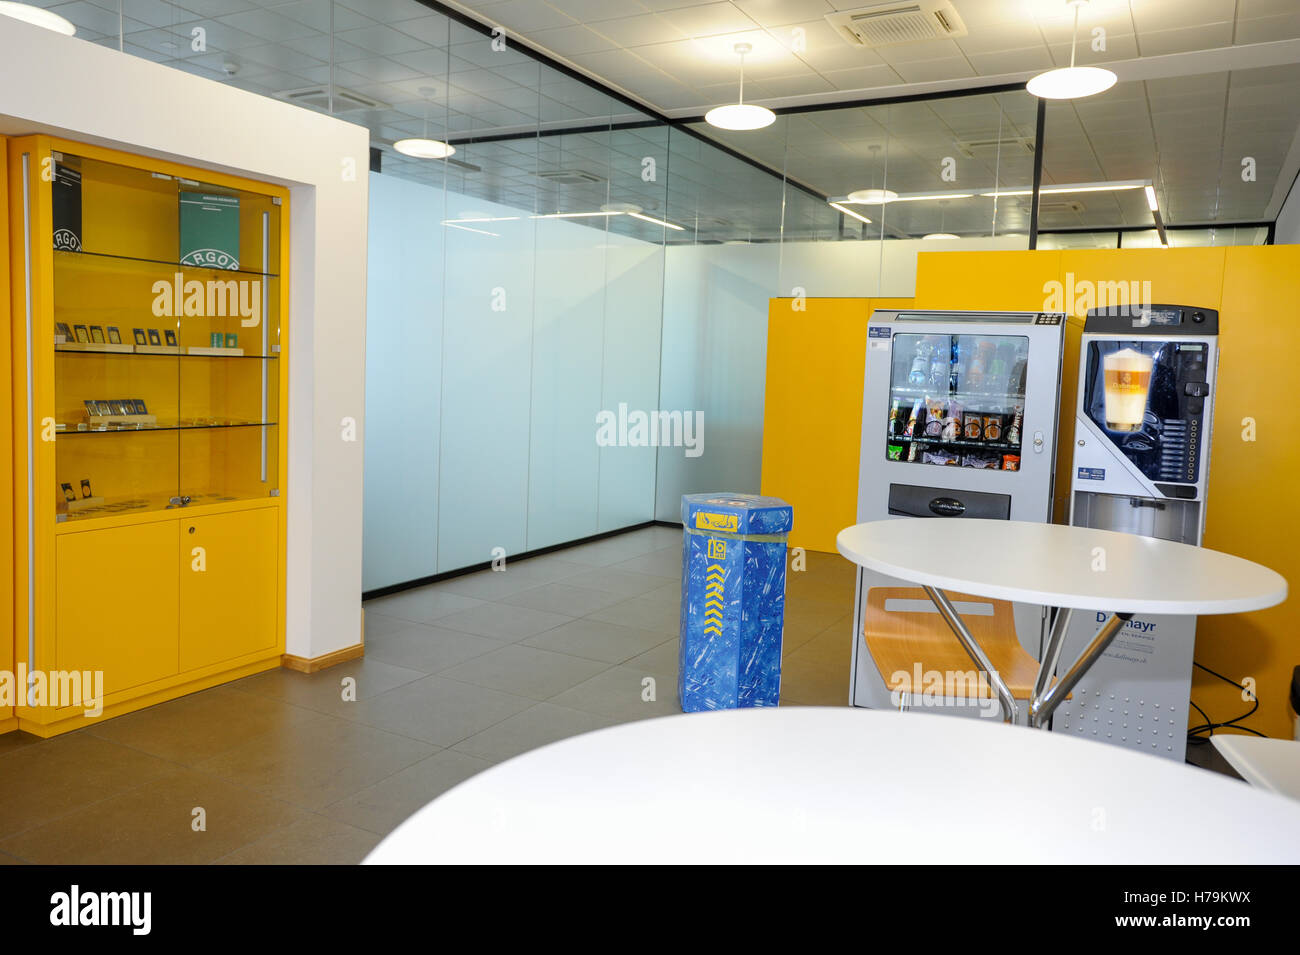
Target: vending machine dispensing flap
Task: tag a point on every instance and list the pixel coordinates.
(910, 500)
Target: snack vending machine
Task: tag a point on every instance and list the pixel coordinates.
(959, 417)
(1141, 462)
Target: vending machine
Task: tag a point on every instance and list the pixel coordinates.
(1141, 463)
(959, 419)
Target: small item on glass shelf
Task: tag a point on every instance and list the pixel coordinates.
(974, 424)
(952, 423)
(993, 427)
(137, 406)
(217, 340)
(114, 335)
(154, 338)
(1011, 462)
(912, 451)
(83, 334)
(61, 328)
(934, 417)
(946, 458)
(232, 340)
(894, 452)
(139, 336)
(170, 337)
(97, 334)
(910, 428)
(102, 409)
(987, 462)
(1013, 432)
(85, 487)
(92, 407)
(69, 494)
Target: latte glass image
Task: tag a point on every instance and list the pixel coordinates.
(1127, 381)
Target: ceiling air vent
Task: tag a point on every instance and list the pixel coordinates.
(570, 177)
(909, 21)
(318, 97)
(1059, 207)
(1012, 144)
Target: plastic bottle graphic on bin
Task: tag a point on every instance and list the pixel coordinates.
(733, 600)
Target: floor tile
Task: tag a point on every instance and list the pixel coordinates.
(818, 672)
(619, 692)
(6, 859)
(525, 671)
(534, 727)
(381, 808)
(310, 840)
(623, 582)
(192, 728)
(596, 640)
(437, 710)
(420, 605)
(503, 622)
(665, 563)
(611, 550)
(56, 776)
(660, 661)
(562, 598)
(494, 584)
(154, 824)
(646, 613)
(320, 763)
(324, 691)
(16, 739)
(428, 649)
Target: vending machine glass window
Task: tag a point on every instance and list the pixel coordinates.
(957, 400)
(1146, 394)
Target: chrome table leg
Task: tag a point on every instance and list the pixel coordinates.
(1043, 705)
(976, 652)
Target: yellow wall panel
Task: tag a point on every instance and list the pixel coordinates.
(985, 280)
(813, 411)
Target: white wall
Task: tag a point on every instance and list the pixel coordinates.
(80, 91)
(715, 339)
(492, 349)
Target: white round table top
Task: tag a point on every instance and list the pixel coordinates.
(1062, 566)
(837, 784)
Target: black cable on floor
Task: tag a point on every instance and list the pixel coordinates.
(1194, 735)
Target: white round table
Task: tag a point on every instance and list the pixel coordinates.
(814, 784)
(1057, 565)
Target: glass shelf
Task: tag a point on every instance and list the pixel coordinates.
(140, 429)
(141, 354)
(88, 260)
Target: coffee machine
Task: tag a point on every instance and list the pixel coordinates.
(1141, 466)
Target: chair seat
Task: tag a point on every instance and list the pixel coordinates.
(917, 653)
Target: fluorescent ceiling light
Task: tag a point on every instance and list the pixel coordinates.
(573, 215)
(37, 17)
(1072, 81)
(871, 197)
(850, 212)
(940, 236)
(1117, 186)
(1151, 198)
(481, 219)
(740, 115)
(424, 148)
(454, 225)
(666, 225)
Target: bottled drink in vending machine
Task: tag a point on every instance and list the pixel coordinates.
(920, 364)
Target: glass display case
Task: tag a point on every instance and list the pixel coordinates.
(166, 330)
(957, 400)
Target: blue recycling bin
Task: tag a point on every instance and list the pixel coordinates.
(733, 600)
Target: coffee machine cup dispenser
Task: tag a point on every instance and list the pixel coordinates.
(1141, 462)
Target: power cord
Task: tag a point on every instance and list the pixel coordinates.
(1200, 735)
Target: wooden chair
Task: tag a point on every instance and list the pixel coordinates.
(912, 644)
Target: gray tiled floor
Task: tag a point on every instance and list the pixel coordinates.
(458, 675)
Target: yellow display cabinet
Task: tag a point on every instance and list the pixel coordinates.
(149, 307)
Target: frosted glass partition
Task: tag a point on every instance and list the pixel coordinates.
(403, 381)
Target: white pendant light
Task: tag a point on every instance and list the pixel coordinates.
(37, 17)
(871, 197)
(422, 147)
(1072, 82)
(740, 115)
(940, 237)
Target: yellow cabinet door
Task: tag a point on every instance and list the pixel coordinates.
(115, 606)
(229, 580)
